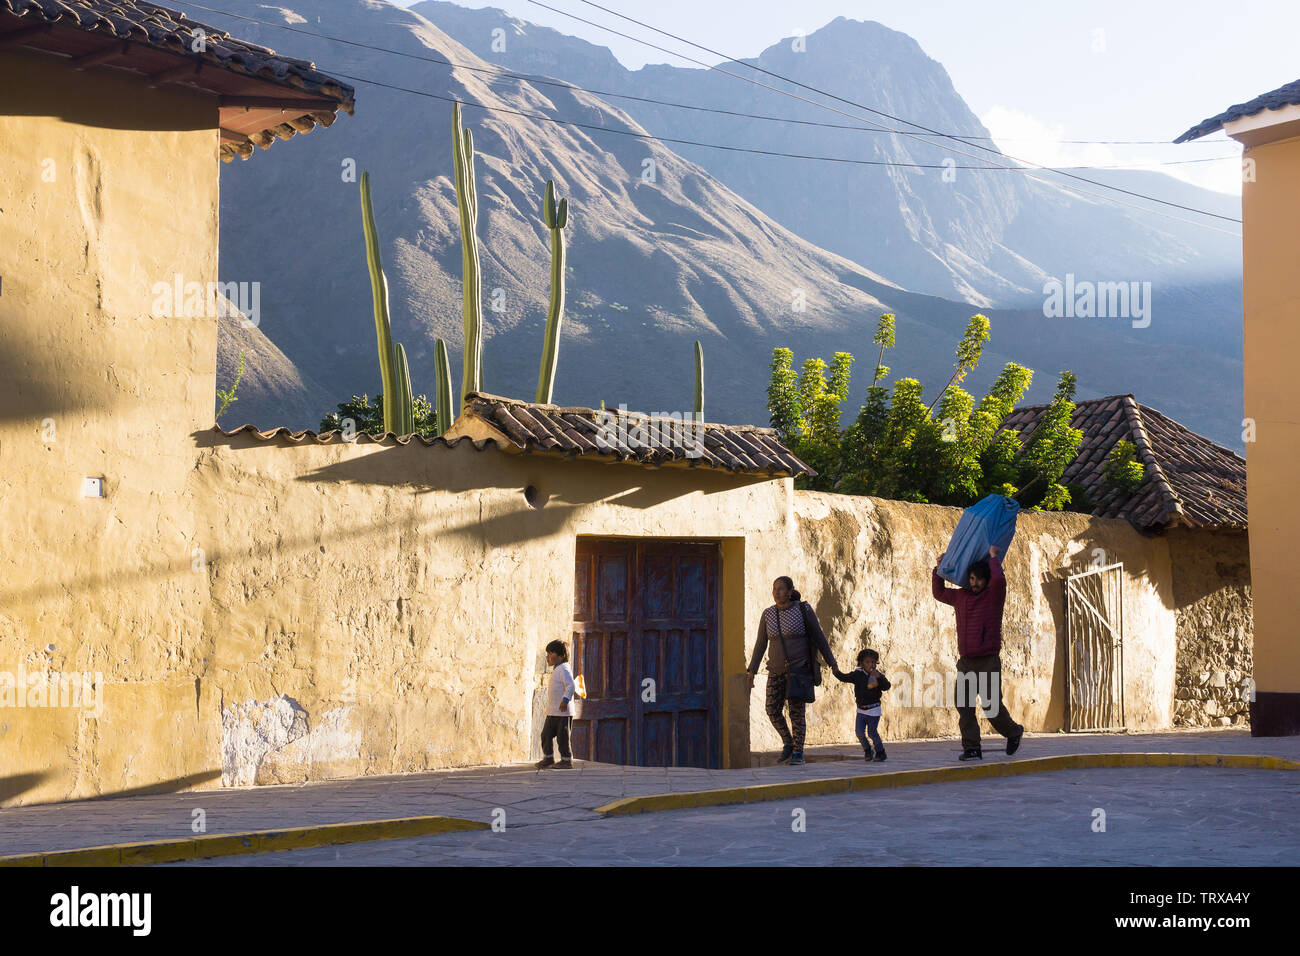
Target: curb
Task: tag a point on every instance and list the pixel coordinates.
(240, 844)
(758, 793)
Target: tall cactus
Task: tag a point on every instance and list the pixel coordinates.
(442, 389)
(405, 403)
(556, 217)
(462, 141)
(699, 381)
(394, 396)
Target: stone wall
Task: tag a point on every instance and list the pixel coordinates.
(1212, 597)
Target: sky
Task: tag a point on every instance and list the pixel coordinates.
(1036, 72)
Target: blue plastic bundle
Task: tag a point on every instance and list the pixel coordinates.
(984, 524)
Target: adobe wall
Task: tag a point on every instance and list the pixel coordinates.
(865, 563)
(107, 188)
(1212, 595)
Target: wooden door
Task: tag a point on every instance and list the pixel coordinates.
(645, 642)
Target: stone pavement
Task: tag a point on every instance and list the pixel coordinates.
(1154, 817)
(550, 797)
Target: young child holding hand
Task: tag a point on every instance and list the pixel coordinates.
(868, 684)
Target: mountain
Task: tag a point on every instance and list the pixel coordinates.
(653, 265)
(989, 237)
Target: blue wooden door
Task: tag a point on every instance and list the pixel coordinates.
(645, 642)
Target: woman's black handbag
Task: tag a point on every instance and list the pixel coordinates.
(799, 684)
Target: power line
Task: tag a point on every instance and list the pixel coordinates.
(543, 81)
(690, 142)
(1163, 202)
(990, 166)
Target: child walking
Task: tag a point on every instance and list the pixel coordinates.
(868, 684)
(559, 694)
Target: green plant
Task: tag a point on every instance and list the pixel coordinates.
(783, 397)
(1122, 469)
(404, 383)
(699, 382)
(227, 396)
(443, 417)
(953, 451)
(471, 278)
(556, 216)
(969, 350)
(1050, 449)
(368, 416)
(396, 408)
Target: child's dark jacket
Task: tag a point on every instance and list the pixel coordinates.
(866, 696)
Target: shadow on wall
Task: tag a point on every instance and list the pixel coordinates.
(387, 467)
(30, 396)
(18, 784)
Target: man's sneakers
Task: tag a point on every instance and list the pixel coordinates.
(796, 758)
(1013, 743)
(869, 755)
(565, 764)
(880, 755)
(786, 753)
(544, 763)
(970, 753)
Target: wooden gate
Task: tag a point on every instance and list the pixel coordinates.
(645, 642)
(1094, 627)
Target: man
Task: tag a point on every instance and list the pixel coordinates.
(979, 645)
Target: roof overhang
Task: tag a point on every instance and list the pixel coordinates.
(255, 106)
(1266, 126)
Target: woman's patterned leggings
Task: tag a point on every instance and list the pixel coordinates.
(775, 706)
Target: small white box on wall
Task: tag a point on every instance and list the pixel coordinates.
(92, 487)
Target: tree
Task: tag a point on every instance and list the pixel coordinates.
(1049, 451)
(1122, 469)
(953, 451)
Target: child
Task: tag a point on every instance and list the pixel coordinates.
(558, 695)
(868, 683)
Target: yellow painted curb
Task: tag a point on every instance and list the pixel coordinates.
(237, 844)
(824, 786)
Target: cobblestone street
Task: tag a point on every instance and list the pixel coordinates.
(1186, 817)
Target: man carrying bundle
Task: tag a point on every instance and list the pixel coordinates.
(979, 645)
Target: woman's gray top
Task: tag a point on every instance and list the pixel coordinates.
(791, 627)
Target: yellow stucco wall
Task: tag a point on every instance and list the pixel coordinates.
(108, 188)
(1270, 211)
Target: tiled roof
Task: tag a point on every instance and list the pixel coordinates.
(335, 437)
(580, 432)
(1283, 96)
(630, 436)
(1189, 479)
(263, 95)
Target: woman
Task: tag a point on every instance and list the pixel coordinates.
(783, 635)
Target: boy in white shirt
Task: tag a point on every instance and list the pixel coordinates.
(559, 696)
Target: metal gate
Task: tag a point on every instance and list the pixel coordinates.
(1094, 629)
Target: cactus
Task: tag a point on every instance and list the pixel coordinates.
(556, 217)
(405, 403)
(471, 280)
(395, 397)
(442, 389)
(699, 382)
